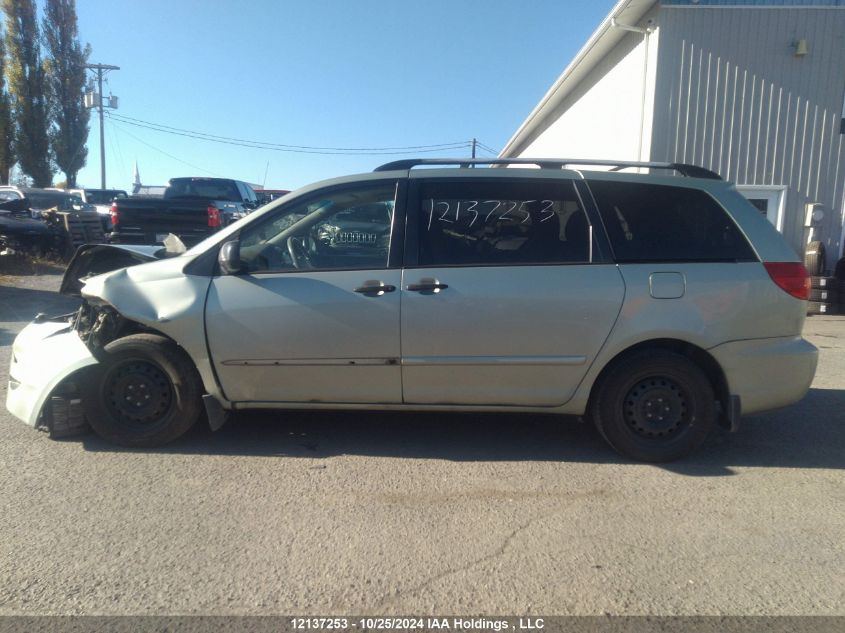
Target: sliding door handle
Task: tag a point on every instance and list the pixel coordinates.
(427, 287)
(374, 290)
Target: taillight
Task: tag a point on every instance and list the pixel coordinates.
(115, 217)
(792, 277)
(213, 216)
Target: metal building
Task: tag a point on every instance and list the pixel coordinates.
(753, 89)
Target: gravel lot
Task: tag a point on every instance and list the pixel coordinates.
(382, 513)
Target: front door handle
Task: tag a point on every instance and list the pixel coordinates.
(374, 289)
(427, 286)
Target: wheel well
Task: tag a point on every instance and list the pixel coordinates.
(126, 327)
(697, 355)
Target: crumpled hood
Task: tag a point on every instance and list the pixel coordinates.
(152, 293)
(95, 259)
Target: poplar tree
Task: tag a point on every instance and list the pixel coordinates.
(7, 128)
(25, 75)
(65, 68)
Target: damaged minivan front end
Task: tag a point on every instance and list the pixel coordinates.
(52, 357)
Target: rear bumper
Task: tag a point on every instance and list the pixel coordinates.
(768, 373)
(130, 237)
(43, 355)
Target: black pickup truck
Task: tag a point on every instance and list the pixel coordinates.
(191, 208)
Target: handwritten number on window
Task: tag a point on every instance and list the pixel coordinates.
(547, 210)
(514, 210)
(471, 209)
(498, 203)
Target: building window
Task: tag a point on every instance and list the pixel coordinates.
(769, 200)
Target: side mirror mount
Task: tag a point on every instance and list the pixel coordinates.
(229, 258)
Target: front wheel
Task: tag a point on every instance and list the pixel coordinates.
(654, 406)
(145, 392)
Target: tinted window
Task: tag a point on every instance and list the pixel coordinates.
(103, 196)
(50, 199)
(212, 188)
(340, 230)
(657, 223)
(466, 223)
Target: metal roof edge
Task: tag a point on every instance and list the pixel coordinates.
(587, 55)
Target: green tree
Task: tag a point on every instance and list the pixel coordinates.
(65, 66)
(25, 74)
(7, 128)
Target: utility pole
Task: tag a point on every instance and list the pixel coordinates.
(474, 143)
(95, 100)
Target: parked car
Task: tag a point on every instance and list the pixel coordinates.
(268, 195)
(191, 208)
(657, 306)
(41, 200)
(19, 232)
(101, 199)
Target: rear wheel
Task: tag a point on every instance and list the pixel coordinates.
(145, 392)
(654, 406)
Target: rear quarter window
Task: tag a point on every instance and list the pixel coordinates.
(660, 223)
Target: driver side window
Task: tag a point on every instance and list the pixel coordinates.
(343, 229)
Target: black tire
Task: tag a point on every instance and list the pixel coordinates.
(819, 307)
(156, 379)
(825, 295)
(823, 283)
(640, 386)
(814, 258)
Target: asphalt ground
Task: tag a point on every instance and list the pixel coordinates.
(373, 513)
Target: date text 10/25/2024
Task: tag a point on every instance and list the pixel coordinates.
(416, 624)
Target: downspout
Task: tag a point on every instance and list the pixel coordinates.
(646, 33)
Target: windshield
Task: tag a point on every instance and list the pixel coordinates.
(211, 188)
(103, 196)
(49, 199)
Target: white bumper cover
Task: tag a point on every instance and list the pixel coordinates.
(43, 355)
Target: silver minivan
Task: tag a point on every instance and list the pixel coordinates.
(658, 304)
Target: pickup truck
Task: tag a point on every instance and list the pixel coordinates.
(101, 199)
(191, 208)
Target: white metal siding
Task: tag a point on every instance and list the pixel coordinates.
(603, 116)
(732, 96)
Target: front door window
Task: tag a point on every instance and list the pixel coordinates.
(346, 230)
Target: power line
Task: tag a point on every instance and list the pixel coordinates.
(116, 152)
(305, 149)
(161, 151)
(488, 148)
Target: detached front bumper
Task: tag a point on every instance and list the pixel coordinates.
(43, 355)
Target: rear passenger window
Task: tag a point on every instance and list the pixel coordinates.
(490, 223)
(658, 223)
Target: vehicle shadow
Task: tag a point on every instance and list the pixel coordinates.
(810, 434)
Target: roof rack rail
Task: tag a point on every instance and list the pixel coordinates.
(690, 171)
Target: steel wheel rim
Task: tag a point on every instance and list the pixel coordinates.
(139, 393)
(657, 407)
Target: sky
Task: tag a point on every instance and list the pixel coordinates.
(321, 74)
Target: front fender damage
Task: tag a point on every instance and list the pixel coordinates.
(52, 357)
(48, 359)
